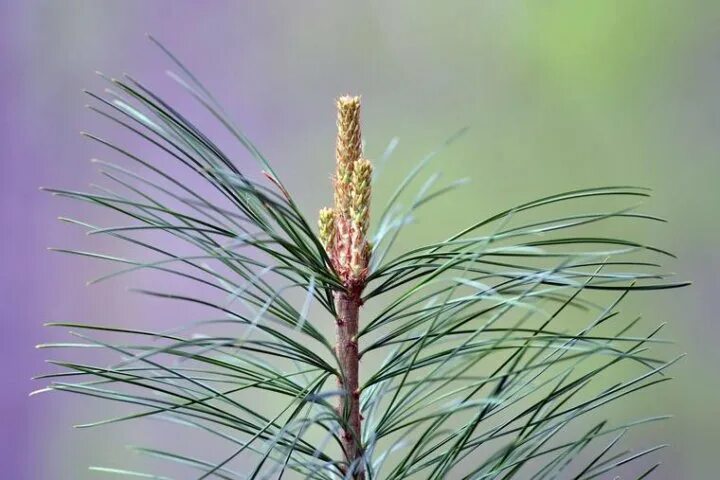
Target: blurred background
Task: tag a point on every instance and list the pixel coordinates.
(557, 94)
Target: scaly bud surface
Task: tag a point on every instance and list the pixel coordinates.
(348, 149)
(326, 226)
(360, 195)
(343, 229)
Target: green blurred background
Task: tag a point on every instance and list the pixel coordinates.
(557, 94)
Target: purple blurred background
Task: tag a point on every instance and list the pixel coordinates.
(558, 95)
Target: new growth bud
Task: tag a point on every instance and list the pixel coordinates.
(326, 226)
(349, 141)
(360, 195)
(344, 228)
(347, 150)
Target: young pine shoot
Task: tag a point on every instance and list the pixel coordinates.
(492, 353)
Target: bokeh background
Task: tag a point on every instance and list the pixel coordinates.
(557, 94)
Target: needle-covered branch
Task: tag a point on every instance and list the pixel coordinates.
(490, 353)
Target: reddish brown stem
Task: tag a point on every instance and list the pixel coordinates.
(347, 305)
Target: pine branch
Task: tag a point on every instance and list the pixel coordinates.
(498, 340)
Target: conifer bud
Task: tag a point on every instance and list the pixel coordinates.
(347, 150)
(344, 228)
(326, 226)
(360, 195)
